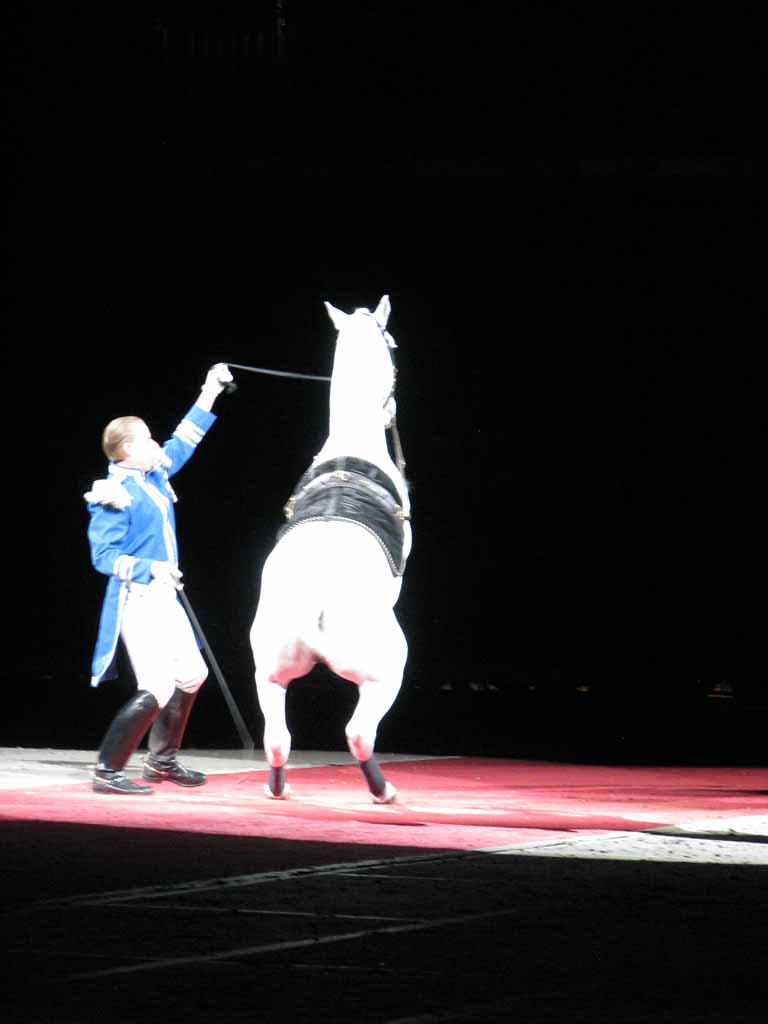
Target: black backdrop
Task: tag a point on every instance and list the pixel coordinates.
(562, 215)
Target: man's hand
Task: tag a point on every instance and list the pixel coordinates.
(167, 573)
(219, 378)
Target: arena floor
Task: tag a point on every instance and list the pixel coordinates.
(493, 890)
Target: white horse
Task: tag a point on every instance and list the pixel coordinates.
(330, 584)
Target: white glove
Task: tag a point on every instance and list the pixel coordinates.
(167, 573)
(217, 378)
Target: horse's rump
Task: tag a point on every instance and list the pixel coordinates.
(327, 561)
(327, 594)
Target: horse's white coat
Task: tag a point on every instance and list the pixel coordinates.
(327, 591)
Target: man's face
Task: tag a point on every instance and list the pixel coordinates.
(142, 451)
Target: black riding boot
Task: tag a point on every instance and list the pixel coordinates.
(164, 741)
(122, 738)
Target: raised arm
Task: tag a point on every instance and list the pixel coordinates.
(216, 381)
(198, 419)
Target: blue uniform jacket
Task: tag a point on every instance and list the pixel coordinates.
(132, 524)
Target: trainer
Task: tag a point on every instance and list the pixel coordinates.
(132, 537)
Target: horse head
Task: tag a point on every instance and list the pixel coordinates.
(364, 358)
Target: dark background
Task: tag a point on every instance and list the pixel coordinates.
(563, 211)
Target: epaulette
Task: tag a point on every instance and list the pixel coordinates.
(109, 492)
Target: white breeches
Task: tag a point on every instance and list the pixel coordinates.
(160, 642)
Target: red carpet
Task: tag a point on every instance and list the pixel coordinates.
(454, 803)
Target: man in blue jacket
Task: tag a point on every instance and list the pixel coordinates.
(132, 536)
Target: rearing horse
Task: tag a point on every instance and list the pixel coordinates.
(330, 584)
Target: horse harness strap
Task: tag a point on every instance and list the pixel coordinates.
(353, 490)
(343, 466)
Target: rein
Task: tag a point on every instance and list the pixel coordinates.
(399, 458)
(276, 373)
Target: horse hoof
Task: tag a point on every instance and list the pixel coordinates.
(388, 796)
(277, 796)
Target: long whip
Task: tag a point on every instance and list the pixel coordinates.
(245, 737)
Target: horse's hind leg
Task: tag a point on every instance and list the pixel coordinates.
(375, 698)
(384, 647)
(382, 791)
(277, 738)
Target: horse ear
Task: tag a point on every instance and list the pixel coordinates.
(382, 311)
(337, 315)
